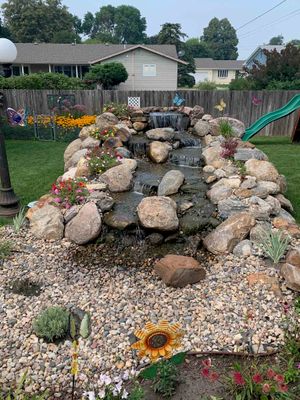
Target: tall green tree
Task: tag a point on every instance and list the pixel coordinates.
(197, 48)
(171, 34)
(39, 20)
(276, 40)
(220, 37)
(122, 24)
(4, 32)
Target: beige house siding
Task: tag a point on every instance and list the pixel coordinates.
(225, 81)
(211, 75)
(166, 71)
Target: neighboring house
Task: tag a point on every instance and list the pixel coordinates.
(218, 71)
(151, 67)
(259, 55)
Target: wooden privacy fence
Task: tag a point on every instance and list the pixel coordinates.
(240, 104)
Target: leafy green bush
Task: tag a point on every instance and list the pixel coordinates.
(206, 85)
(284, 85)
(42, 80)
(108, 75)
(241, 84)
(52, 323)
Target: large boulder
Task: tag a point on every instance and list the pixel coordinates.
(163, 134)
(158, 212)
(47, 223)
(86, 131)
(262, 170)
(106, 120)
(196, 114)
(170, 183)
(119, 219)
(159, 152)
(85, 226)
(259, 208)
(238, 127)
(118, 179)
(219, 193)
(103, 200)
(201, 128)
(73, 161)
(227, 235)
(90, 143)
(243, 154)
(179, 271)
(285, 203)
(291, 274)
(82, 170)
(72, 148)
(293, 256)
(231, 206)
(212, 156)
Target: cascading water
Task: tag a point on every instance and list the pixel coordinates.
(177, 121)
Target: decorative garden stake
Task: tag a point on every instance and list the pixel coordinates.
(80, 326)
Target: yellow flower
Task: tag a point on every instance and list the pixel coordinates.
(221, 106)
(158, 340)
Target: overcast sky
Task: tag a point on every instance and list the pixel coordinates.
(194, 15)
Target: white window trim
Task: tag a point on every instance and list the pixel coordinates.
(152, 71)
(220, 73)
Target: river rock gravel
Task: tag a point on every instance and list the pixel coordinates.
(119, 288)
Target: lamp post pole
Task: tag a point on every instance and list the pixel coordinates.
(9, 203)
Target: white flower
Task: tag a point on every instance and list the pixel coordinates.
(105, 379)
(124, 394)
(101, 394)
(117, 389)
(126, 375)
(90, 395)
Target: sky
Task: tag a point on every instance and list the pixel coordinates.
(194, 15)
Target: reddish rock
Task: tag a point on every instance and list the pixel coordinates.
(263, 279)
(179, 271)
(293, 256)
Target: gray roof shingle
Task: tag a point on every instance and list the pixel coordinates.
(82, 54)
(209, 63)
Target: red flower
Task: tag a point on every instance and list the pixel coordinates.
(257, 378)
(206, 363)
(271, 374)
(266, 388)
(283, 388)
(214, 376)
(279, 378)
(238, 379)
(205, 372)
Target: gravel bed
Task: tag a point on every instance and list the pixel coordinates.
(121, 292)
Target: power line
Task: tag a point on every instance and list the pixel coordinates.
(264, 13)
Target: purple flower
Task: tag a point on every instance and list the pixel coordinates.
(298, 366)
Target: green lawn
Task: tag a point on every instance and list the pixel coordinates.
(286, 157)
(34, 166)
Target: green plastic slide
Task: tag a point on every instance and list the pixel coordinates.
(257, 126)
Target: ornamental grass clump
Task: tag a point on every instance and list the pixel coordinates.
(225, 129)
(69, 192)
(100, 160)
(19, 219)
(274, 245)
(52, 324)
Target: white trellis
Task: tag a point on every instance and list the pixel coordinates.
(134, 102)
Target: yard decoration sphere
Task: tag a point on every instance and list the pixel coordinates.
(8, 51)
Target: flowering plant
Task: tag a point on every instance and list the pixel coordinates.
(251, 384)
(229, 148)
(69, 192)
(100, 160)
(119, 110)
(67, 122)
(104, 134)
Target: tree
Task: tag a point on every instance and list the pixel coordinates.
(280, 67)
(221, 39)
(171, 34)
(295, 42)
(276, 40)
(4, 32)
(122, 24)
(108, 75)
(198, 48)
(39, 20)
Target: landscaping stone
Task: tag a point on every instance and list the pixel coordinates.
(86, 131)
(237, 126)
(275, 204)
(201, 128)
(123, 152)
(119, 178)
(267, 187)
(207, 117)
(159, 152)
(47, 223)
(243, 154)
(129, 163)
(262, 170)
(70, 174)
(72, 148)
(249, 182)
(287, 216)
(155, 239)
(233, 182)
(123, 134)
(82, 170)
(113, 143)
(106, 120)
(179, 271)
(293, 256)
(211, 154)
(291, 275)
(71, 213)
(281, 181)
(259, 208)
(243, 249)
(266, 280)
(227, 235)
(231, 206)
(73, 161)
(208, 169)
(161, 134)
(220, 173)
(102, 199)
(119, 219)
(285, 203)
(218, 193)
(211, 178)
(85, 226)
(207, 140)
(96, 186)
(158, 212)
(139, 126)
(196, 114)
(170, 183)
(259, 231)
(90, 143)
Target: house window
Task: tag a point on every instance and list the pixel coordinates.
(222, 73)
(69, 70)
(149, 69)
(16, 70)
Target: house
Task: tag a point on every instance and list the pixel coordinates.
(218, 71)
(259, 55)
(151, 67)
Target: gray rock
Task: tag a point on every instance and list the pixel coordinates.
(161, 134)
(291, 274)
(85, 226)
(263, 187)
(90, 143)
(71, 213)
(118, 179)
(102, 199)
(201, 128)
(170, 183)
(86, 131)
(72, 148)
(249, 182)
(106, 120)
(123, 152)
(159, 213)
(243, 249)
(219, 193)
(275, 204)
(159, 152)
(244, 154)
(285, 203)
(259, 208)
(262, 170)
(231, 206)
(119, 219)
(155, 239)
(73, 161)
(238, 127)
(259, 231)
(47, 223)
(287, 216)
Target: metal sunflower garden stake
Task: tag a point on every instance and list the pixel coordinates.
(80, 326)
(158, 342)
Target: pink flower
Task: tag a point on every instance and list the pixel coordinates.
(56, 191)
(283, 388)
(271, 374)
(257, 378)
(205, 372)
(206, 363)
(266, 388)
(298, 366)
(57, 199)
(238, 379)
(279, 378)
(214, 376)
